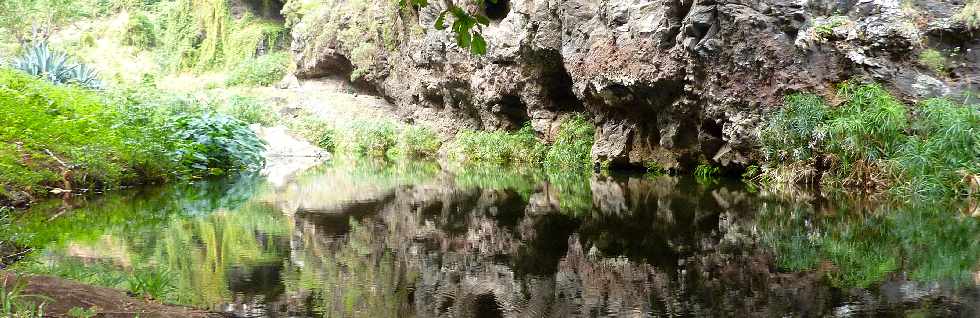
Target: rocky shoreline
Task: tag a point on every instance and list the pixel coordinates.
(675, 82)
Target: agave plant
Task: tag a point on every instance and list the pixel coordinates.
(85, 76)
(54, 66)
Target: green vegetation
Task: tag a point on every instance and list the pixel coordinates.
(572, 148)
(418, 142)
(250, 36)
(15, 304)
(934, 60)
(141, 32)
(219, 143)
(39, 61)
(263, 71)
(792, 133)
(372, 138)
(825, 29)
(58, 136)
(319, 132)
(970, 14)
(66, 137)
(654, 169)
(249, 110)
(467, 26)
(872, 141)
(706, 172)
(150, 283)
(79, 312)
(498, 148)
(865, 247)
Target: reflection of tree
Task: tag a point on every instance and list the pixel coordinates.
(926, 241)
(352, 276)
(200, 252)
(184, 231)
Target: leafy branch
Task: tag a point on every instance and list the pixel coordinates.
(467, 26)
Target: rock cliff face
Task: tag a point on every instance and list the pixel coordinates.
(673, 81)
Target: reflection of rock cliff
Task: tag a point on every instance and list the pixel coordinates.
(660, 247)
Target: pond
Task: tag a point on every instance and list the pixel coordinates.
(356, 238)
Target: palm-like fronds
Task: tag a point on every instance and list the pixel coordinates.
(873, 140)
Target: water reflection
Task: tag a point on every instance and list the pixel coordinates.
(368, 239)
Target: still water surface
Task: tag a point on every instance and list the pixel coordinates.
(367, 239)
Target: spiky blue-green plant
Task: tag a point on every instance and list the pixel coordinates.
(39, 61)
(85, 76)
(53, 66)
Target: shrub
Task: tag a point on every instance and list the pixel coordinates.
(374, 138)
(499, 148)
(418, 142)
(793, 133)
(572, 148)
(934, 60)
(317, 131)
(140, 31)
(868, 127)
(264, 70)
(705, 172)
(249, 110)
(54, 67)
(654, 168)
(942, 150)
(218, 143)
(871, 141)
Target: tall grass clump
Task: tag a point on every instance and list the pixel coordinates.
(315, 130)
(498, 148)
(372, 138)
(418, 142)
(942, 154)
(249, 110)
(793, 133)
(863, 132)
(572, 148)
(873, 141)
(264, 70)
(14, 303)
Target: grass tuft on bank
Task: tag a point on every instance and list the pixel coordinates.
(874, 141)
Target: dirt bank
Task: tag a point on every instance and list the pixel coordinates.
(65, 295)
